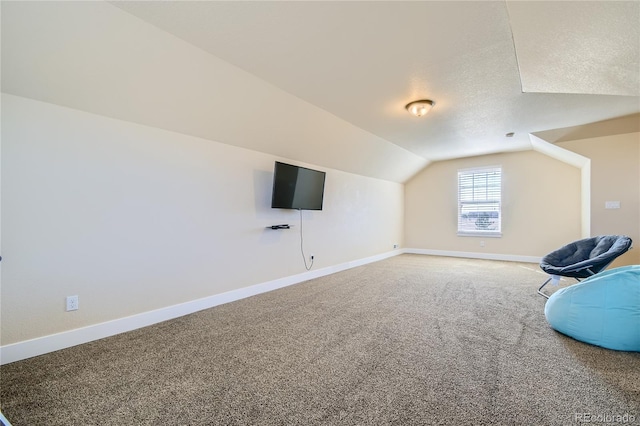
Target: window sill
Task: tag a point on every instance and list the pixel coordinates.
(480, 234)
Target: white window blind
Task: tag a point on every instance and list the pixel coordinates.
(479, 201)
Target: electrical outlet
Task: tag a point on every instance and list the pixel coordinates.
(481, 243)
(72, 303)
(312, 257)
(395, 246)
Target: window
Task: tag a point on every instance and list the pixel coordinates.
(479, 194)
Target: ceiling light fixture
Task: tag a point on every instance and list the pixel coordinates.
(420, 108)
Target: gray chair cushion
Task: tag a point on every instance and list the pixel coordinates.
(583, 258)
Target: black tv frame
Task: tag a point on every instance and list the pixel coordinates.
(292, 185)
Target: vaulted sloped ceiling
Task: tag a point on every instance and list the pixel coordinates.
(577, 47)
(491, 67)
(326, 82)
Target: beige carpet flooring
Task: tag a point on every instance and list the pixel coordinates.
(411, 340)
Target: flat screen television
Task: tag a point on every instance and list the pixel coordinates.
(297, 187)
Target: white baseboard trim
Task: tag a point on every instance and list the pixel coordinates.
(66, 339)
(472, 255)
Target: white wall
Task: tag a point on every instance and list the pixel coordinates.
(615, 176)
(135, 174)
(541, 206)
(132, 218)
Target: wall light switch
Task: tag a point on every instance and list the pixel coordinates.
(612, 204)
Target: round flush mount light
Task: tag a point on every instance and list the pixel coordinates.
(420, 108)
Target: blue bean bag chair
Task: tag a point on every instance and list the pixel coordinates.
(602, 310)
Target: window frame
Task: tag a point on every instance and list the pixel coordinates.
(490, 199)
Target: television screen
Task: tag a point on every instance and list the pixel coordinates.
(297, 187)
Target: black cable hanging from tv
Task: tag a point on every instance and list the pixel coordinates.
(307, 267)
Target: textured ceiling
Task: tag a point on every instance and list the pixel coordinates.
(491, 67)
(578, 47)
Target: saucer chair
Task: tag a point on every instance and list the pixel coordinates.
(583, 258)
